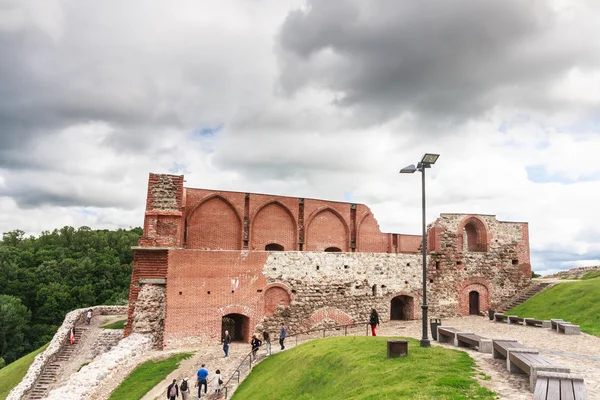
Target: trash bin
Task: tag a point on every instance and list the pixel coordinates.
(491, 314)
(435, 322)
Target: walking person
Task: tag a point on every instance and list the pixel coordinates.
(173, 390)
(267, 339)
(88, 316)
(373, 321)
(218, 384)
(202, 380)
(226, 343)
(256, 343)
(282, 336)
(184, 388)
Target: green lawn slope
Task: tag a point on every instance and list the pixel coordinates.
(358, 368)
(147, 376)
(11, 375)
(577, 302)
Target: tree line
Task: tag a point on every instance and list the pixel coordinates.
(42, 278)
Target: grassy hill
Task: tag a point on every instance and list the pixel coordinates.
(577, 302)
(358, 368)
(11, 375)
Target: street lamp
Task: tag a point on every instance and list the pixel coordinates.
(426, 162)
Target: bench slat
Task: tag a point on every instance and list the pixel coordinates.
(553, 388)
(566, 389)
(541, 388)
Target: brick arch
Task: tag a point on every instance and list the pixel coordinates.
(276, 294)
(478, 234)
(329, 314)
(326, 228)
(479, 285)
(214, 224)
(369, 237)
(416, 306)
(235, 309)
(273, 222)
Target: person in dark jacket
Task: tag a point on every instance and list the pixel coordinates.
(226, 343)
(173, 390)
(282, 336)
(256, 343)
(374, 321)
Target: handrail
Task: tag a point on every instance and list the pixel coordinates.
(237, 370)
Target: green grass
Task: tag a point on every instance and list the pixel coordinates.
(591, 275)
(358, 368)
(115, 325)
(11, 375)
(577, 302)
(146, 376)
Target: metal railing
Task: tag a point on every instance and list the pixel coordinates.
(247, 360)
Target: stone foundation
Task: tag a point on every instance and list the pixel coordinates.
(149, 315)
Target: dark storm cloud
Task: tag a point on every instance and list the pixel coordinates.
(442, 59)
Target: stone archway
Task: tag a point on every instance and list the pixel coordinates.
(402, 308)
(238, 326)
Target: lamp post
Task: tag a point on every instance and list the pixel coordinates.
(426, 162)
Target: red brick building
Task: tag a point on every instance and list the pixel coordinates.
(210, 260)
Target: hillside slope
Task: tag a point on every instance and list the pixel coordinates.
(358, 368)
(11, 375)
(577, 302)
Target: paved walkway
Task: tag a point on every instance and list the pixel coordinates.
(579, 352)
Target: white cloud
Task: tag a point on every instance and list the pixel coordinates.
(110, 93)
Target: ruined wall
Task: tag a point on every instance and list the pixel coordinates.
(208, 247)
(496, 267)
(149, 315)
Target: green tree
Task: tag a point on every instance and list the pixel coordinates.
(14, 321)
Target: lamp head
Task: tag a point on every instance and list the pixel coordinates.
(411, 169)
(429, 158)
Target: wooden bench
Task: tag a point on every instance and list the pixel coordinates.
(554, 324)
(537, 322)
(559, 386)
(513, 319)
(500, 347)
(567, 328)
(484, 345)
(528, 361)
(500, 317)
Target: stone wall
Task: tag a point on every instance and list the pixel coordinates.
(59, 340)
(574, 273)
(149, 314)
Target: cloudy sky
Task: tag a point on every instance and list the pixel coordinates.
(325, 99)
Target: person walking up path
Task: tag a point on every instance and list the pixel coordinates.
(267, 339)
(202, 379)
(173, 390)
(226, 343)
(184, 388)
(218, 383)
(256, 342)
(282, 336)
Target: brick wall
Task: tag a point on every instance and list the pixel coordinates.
(214, 262)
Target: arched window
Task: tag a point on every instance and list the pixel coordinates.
(333, 250)
(274, 247)
(471, 233)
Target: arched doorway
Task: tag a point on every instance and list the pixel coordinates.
(238, 326)
(402, 308)
(473, 303)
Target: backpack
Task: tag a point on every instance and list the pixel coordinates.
(373, 320)
(173, 391)
(220, 381)
(183, 386)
